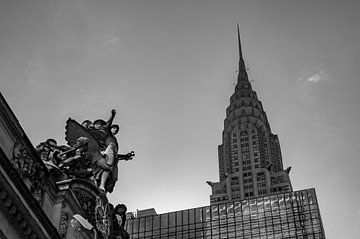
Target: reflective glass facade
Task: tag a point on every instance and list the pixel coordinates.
(288, 215)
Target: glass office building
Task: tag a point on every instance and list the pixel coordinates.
(287, 215)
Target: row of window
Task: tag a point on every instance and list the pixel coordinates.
(249, 194)
(245, 132)
(262, 192)
(289, 226)
(247, 180)
(247, 174)
(275, 204)
(247, 167)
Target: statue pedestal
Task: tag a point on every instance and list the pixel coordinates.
(79, 196)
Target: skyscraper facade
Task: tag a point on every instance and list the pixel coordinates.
(250, 162)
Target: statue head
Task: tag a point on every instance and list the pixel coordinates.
(115, 129)
(99, 123)
(51, 142)
(82, 142)
(120, 209)
(86, 123)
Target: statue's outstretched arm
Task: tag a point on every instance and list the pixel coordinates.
(111, 119)
(69, 161)
(126, 157)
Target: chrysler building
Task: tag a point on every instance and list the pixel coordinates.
(250, 162)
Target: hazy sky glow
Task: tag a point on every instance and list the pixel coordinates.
(169, 68)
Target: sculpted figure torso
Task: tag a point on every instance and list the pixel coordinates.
(106, 168)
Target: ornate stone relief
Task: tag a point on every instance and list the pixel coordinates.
(97, 211)
(64, 221)
(87, 203)
(28, 168)
(102, 215)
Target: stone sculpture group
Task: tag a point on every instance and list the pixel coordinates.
(91, 155)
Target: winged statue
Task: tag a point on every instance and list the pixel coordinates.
(74, 131)
(102, 145)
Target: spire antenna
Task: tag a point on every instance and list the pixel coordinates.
(238, 35)
(241, 60)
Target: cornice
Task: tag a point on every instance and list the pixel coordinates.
(17, 133)
(8, 116)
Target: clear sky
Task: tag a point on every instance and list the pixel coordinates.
(169, 67)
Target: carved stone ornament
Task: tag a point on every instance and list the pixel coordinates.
(29, 168)
(87, 204)
(102, 216)
(64, 221)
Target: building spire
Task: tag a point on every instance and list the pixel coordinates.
(238, 34)
(242, 69)
(241, 60)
